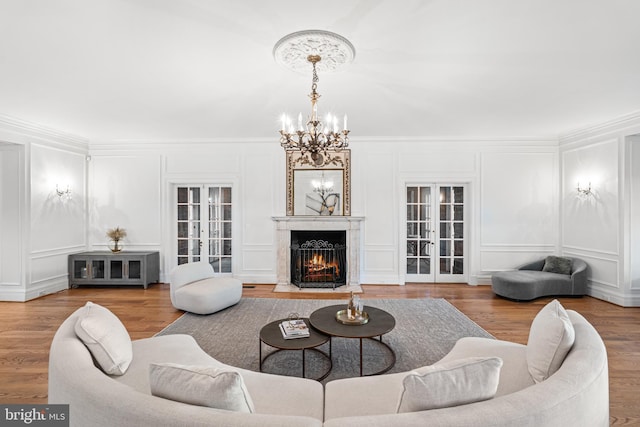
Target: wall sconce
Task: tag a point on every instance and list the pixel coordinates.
(64, 193)
(584, 191)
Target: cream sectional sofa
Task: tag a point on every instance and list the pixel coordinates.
(577, 394)
(98, 399)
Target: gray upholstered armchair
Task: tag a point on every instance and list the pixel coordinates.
(529, 281)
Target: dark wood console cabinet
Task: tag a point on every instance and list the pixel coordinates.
(107, 268)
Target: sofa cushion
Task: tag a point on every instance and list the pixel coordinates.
(106, 338)
(550, 338)
(200, 385)
(453, 383)
(559, 265)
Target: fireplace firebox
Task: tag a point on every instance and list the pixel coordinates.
(318, 259)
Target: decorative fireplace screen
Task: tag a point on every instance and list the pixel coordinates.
(318, 264)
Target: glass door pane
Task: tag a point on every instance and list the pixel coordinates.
(219, 225)
(97, 269)
(116, 269)
(451, 233)
(204, 226)
(80, 269)
(134, 270)
(419, 233)
(435, 228)
(188, 223)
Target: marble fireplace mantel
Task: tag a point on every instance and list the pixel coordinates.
(350, 224)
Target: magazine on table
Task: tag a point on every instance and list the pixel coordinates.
(294, 329)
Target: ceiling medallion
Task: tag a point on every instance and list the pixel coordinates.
(292, 50)
(313, 138)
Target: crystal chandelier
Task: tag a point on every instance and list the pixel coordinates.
(315, 138)
(322, 187)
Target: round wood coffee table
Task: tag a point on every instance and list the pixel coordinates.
(380, 322)
(270, 335)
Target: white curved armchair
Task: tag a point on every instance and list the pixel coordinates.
(195, 288)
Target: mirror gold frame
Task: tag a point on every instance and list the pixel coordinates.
(303, 200)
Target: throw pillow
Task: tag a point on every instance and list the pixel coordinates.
(453, 383)
(106, 338)
(200, 385)
(550, 338)
(556, 264)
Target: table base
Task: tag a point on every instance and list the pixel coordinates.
(317, 350)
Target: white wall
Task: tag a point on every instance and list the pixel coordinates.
(133, 186)
(511, 201)
(602, 228)
(518, 207)
(512, 193)
(58, 224)
(125, 191)
(634, 212)
(591, 224)
(49, 228)
(11, 159)
(522, 203)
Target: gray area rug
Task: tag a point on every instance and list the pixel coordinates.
(426, 329)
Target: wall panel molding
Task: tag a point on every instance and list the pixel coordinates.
(604, 269)
(380, 259)
(52, 252)
(259, 253)
(508, 247)
(587, 251)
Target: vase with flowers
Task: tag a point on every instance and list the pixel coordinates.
(116, 235)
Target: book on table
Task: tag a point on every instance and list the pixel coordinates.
(294, 329)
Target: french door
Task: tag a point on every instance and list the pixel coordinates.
(435, 233)
(204, 225)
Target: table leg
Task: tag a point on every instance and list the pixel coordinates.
(260, 353)
(303, 363)
(360, 356)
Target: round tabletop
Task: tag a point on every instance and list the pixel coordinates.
(270, 334)
(324, 320)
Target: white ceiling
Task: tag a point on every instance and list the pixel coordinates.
(200, 69)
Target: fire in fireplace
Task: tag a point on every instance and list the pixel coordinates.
(318, 259)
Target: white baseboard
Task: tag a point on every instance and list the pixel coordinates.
(19, 294)
(623, 300)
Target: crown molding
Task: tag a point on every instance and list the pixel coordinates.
(42, 133)
(178, 142)
(173, 143)
(630, 122)
(538, 140)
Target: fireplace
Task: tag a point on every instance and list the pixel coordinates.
(318, 258)
(350, 225)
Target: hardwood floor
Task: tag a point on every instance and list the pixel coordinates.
(26, 329)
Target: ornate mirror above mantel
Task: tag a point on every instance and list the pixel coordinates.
(319, 191)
